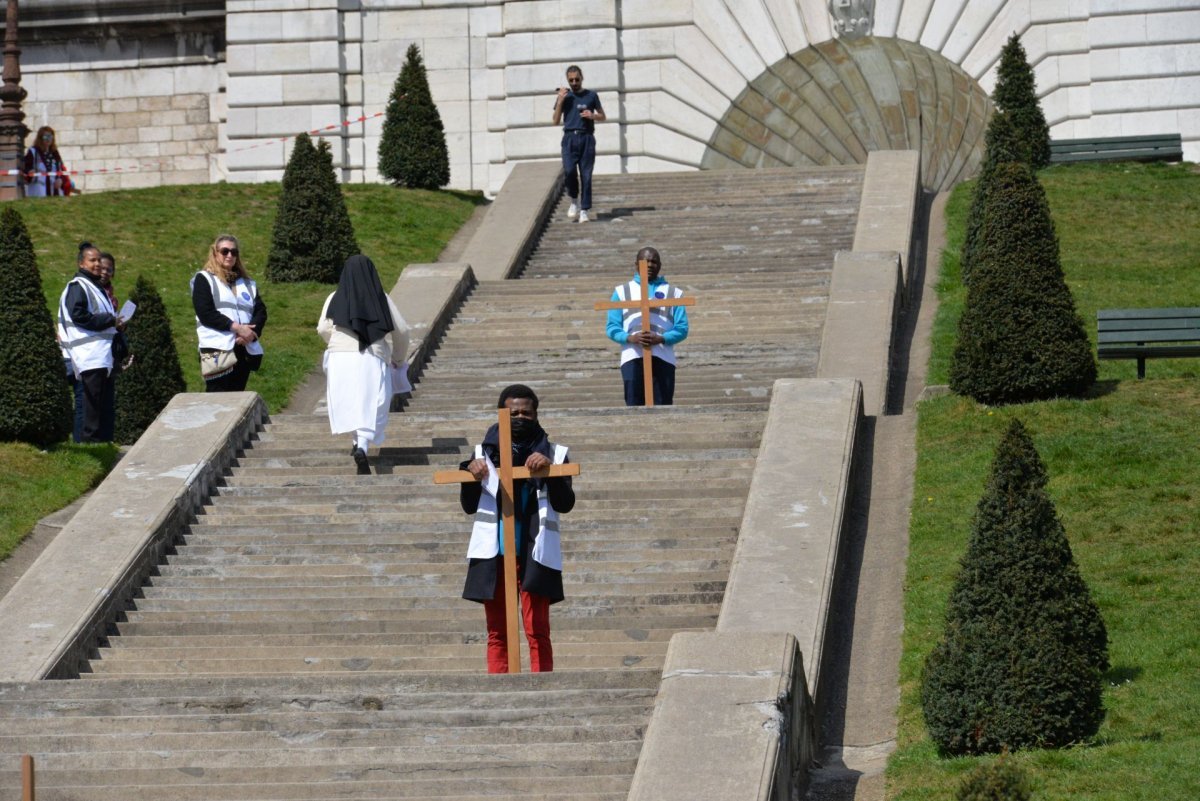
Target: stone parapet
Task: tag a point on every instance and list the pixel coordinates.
(787, 552)
(510, 227)
(888, 211)
(860, 323)
(427, 295)
(732, 721)
(54, 615)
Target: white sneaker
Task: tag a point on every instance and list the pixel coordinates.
(583, 216)
(572, 212)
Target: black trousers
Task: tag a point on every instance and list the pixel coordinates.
(663, 375)
(99, 405)
(235, 380)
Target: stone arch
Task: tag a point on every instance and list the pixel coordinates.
(833, 102)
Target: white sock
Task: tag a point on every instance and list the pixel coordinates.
(362, 443)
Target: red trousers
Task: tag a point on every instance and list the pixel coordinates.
(535, 614)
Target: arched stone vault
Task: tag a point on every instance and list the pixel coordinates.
(834, 102)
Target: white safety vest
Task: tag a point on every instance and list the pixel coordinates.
(236, 303)
(662, 319)
(89, 350)
(485, 544)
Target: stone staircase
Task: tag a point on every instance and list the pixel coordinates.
(306, 638)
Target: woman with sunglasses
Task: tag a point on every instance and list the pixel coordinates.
(45, 174)
(229, 318)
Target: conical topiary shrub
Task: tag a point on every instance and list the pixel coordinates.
(1015, 95)
(36, 403)
(1019, 336)
(313, 235)
(412, 151)
(1020, 662)
(994, 781)
(155, 377)
(1000, 147)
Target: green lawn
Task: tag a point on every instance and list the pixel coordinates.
(1124, 478)
(164, 234)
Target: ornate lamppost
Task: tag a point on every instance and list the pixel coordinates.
(12, 126)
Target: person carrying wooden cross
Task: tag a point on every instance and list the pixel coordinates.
(665, 330)
(537, 503)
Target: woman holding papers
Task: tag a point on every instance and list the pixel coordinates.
(87, 325)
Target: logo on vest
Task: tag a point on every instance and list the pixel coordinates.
(245, 295)
(660, 295)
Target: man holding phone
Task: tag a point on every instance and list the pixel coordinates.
(578, 110)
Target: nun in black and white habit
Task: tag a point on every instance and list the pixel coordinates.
(367, 341)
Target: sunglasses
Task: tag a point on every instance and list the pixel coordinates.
(229, 251)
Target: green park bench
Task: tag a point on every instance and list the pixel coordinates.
(1153, 147)
(1147, 334)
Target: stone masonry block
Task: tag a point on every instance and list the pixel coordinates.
(120, 104)
(487, 21)
(241, 59)
(447, 85)
(565, 46)
(196, 116)
(141, 150)
(86, 86)
(554, 15)
(242, 122)
(420, 23)
(315, 88)
(255, 90)
(282, 121)
(139, 83)
(187, 132)
(200, 79)
(178, 177)
(95, 121)
(159, 133)
(651, 13)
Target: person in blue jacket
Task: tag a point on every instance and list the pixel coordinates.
(667, 327)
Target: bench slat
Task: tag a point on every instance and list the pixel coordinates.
(1133, 326)
(1148, 314)
(1149, 352)
(1134, 337)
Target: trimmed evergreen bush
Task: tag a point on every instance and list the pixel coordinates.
(155, 377)
(1015, 95)
(1019, 336)
(994, 781)
(34, 396)
(313, 235)
(412, 151)
(1000, 147)
(1021, 660)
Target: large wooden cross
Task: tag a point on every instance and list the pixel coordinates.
(645, 305)
(508, 474)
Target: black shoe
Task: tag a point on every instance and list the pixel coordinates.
(360, 459)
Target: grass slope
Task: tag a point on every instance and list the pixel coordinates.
(1123, 477)
(164, 234)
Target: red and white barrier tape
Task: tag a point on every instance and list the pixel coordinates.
(157, 164)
